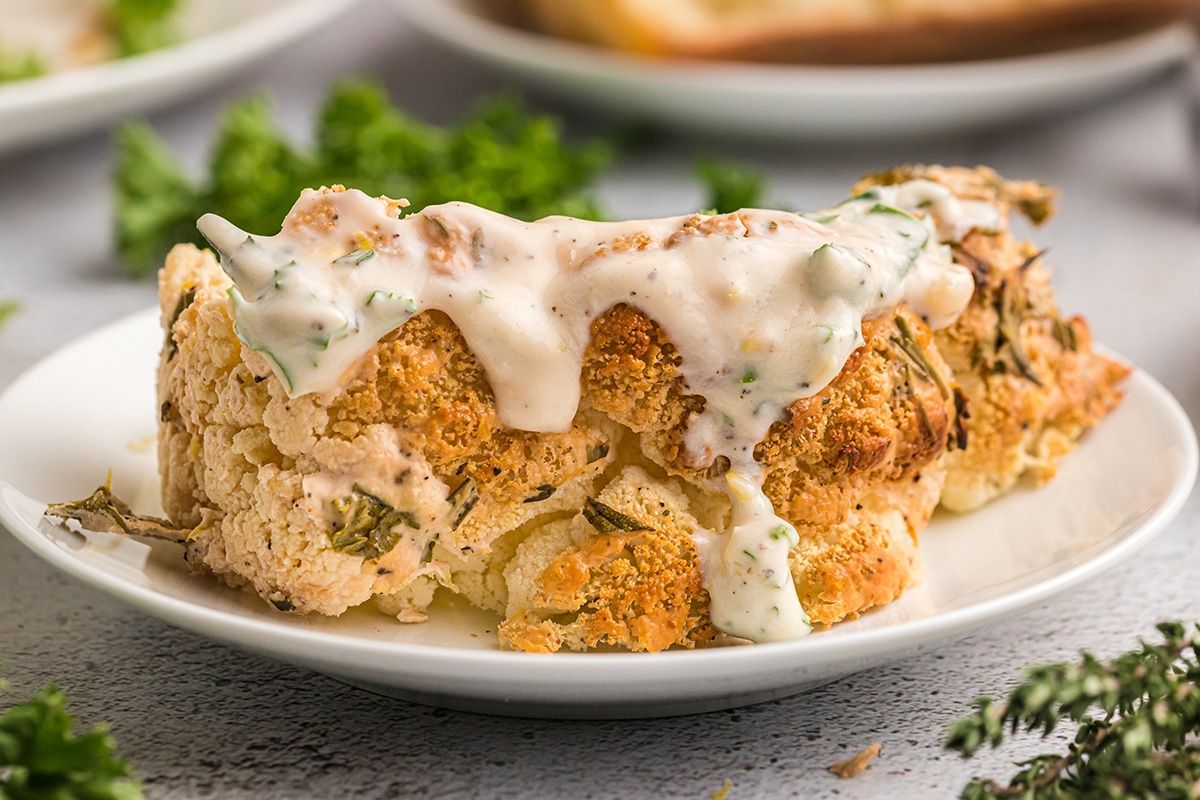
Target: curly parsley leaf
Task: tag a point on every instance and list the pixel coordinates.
(156, 203)
(41, 758)
(20, 65)
(730, 187)
(139, 26)
(501, 157)
(255, 174)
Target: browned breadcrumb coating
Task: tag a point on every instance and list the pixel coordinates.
(574, 586)
(1033, 382)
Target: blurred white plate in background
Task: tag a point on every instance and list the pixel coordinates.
(805, 101)
(219, 38)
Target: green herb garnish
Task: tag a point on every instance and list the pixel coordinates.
(907, 344)
(1037, 209)
(355, 257)
(462, 500)
(410, 305)
(139, 26)
(883, 208)
(155, 204)
(1010, 308)
(41, 758)
(104, 512)
(19, 66)
(8, 308)
(368, 527)
(824, 219)
(781, 532)
(1138, 716)
(730, 187)
(501, 157)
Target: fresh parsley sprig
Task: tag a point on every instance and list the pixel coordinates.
(500, 157)
(41, 758)
(19, 64)
(139, 26)
(730, 186)
(1138, 716)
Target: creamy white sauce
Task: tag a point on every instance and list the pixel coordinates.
(763, 306)
(748, 565)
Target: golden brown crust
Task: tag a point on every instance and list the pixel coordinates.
(639, 590)
(822, 32)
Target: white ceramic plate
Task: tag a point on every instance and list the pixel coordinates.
(825, 102)
(220, 37)
(90, 407)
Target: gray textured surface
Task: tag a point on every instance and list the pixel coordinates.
(201, 720)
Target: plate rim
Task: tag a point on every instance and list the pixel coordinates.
(449, 17)
(1077, 73)
(191, 63)
(403, 661)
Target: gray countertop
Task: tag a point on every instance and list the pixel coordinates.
(201, 720)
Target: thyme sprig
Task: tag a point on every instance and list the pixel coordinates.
(103, 511)
(730, 186)
(139, 26)
(607, 519)
(1137, 716)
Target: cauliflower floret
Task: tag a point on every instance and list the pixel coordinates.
(402, 479)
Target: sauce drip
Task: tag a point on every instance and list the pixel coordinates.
(763, 306)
